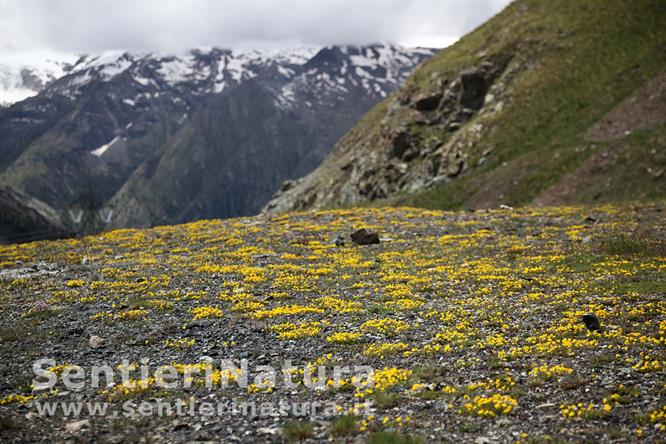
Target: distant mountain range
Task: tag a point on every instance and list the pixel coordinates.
(157, 139)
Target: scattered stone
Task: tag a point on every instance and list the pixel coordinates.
(96, 341)
(39, 389)
(259, 257)
(346, 166)
(39, 269)
(401, 142)
(427, 102)
(364, 237)
(474, 88)
(339, 240)
(400, 167)
(287, 185)
(591, 322)
(546, 405)
(207, 359)
(268, 430)
(76, 426)
(453, 126)
(76, 331)
(455, 168)
(393, 108)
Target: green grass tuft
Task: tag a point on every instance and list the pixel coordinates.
(297, 431)
(631, 244)
(385, 437)
(344, 425)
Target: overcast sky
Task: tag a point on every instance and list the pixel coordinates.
(91, 26)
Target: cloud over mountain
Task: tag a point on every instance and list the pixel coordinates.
(66, 26)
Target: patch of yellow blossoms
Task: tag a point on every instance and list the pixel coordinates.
(206, 312)
(289, 330)
(490, 406)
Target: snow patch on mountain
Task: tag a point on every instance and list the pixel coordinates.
(108, 64)
(102, 149)
(376, 68)
(175, 70)
(24, 75)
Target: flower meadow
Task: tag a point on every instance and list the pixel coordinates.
(471, 321)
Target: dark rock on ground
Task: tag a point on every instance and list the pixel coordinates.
(427, 102)
(474, 88)
(591, 322)
(339, 240)
(364, 237)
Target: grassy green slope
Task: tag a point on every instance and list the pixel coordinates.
(590, 56)
(555, 70)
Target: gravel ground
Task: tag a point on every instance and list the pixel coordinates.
(472, 322)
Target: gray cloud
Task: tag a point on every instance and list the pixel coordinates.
(169, 26)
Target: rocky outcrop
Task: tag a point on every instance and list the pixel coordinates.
(421, 140)
(508, 114)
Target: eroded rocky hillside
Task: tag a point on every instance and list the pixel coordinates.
(548, 102)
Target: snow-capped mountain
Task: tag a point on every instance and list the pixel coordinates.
(20, 79)
(208, 133)
(210, 70)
